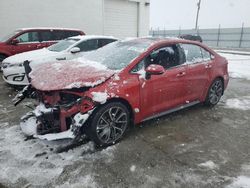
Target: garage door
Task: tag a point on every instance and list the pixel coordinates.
(120, 18)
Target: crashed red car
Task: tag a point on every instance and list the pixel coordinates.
(122, 84)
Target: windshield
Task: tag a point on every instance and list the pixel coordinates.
(7, 37)
(62, 45)
(118, 55)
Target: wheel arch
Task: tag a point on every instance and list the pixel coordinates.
(223, 82)
(127, 104)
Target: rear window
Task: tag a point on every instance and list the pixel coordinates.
(193, 53)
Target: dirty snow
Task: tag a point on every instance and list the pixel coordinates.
(242, 103)
(238, 65)
(29, 127)
(35, 162)
(209, 164)
(137, 110)
(80, 119)
(240, 182)
(56, 136)
(132, 168)
(243, 180)
(100, 97)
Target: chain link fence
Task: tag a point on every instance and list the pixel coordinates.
(219, 37)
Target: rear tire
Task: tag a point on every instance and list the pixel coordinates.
(108, 124)
(215, 92)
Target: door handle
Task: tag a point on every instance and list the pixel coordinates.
(181, 74)
(61, 58)
(208, 66)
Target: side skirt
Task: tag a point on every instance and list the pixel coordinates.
(172, 110)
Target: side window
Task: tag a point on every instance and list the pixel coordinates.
(58, 35)
(206, 55)
(167, 57)
(28, 37)
(88, 45)
(46, 35)
(193, 53)
(103, 42)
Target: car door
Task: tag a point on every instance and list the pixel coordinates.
(198, 75)
(47, 38)
(27, 41)
(160, 93)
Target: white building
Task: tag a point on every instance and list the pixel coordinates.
(120, 18)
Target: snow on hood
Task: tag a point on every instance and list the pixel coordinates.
(41, 54)
(69, 74)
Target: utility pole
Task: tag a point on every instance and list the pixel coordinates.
(197, 15)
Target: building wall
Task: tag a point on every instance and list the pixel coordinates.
(82, 14)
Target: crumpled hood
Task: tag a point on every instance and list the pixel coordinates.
(53, 76)
(41, 54)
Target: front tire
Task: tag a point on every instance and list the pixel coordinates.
(215, 92)
(108, 124)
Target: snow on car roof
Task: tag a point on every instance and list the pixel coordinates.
(50, 28)
(85, 37)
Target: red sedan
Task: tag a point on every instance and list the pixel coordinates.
(122, 84)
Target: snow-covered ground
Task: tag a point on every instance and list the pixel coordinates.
(238, 65)
(36, 161)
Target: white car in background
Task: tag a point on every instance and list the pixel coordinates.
(67, 49)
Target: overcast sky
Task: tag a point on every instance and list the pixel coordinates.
(173, 14)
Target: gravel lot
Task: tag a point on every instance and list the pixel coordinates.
(195, 147)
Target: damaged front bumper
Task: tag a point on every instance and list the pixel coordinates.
(41, 123)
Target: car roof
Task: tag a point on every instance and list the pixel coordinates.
(157, 40)
(48, 28)
(87, 37)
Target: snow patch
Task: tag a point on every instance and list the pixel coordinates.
(56, 136)
(209, 164)
(29, 127)
(137, 110)
(80, 119)
(116, 77)
(240, 182)
(100, 97)
(238, 65)
(235, 103)
(36, 162)
(132, 168)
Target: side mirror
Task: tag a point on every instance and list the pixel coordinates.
(154, 69)
(14, 41)
(75, 50)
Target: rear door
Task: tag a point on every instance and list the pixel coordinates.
(198, 71)
(47, 38)
(163, 92)
(27, 41)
